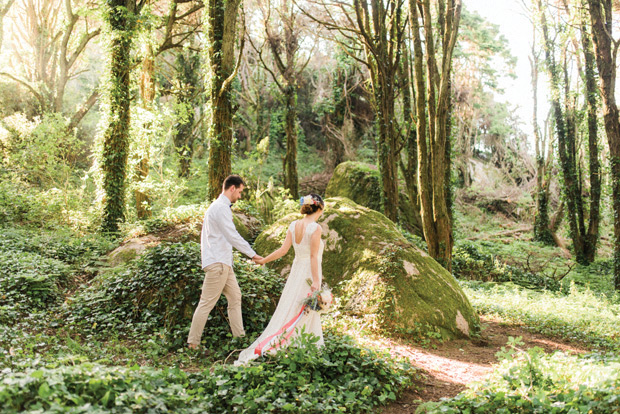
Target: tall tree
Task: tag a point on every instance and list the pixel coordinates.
(147, 97)
(50, 40)
(121, 18)
(220, 21)
(187, 89)
(565, 117)
(606, 48)
(283, 37)
(591, 95)
(432, 112)
(178, 22)
(481, 58)
(380, 28)
(544, 157)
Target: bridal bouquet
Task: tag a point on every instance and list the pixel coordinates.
(319, 300)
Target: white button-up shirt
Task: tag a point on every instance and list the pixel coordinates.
(219, 235)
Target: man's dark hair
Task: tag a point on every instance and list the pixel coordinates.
(233, 180)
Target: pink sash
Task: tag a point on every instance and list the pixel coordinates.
(275, 340)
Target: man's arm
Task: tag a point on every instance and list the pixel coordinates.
(227, 227)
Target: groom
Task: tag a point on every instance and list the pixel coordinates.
(217, 239)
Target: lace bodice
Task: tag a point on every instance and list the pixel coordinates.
(302, 249)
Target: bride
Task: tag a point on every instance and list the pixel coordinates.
(289, 318)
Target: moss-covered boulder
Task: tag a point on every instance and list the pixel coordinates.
(362, 183)
(378, 274)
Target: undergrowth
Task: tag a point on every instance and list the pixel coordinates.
(534, 382)
(580, 315)
(302, 378)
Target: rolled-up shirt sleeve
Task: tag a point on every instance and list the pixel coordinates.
(227, 227)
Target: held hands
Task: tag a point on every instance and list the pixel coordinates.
(259, 260)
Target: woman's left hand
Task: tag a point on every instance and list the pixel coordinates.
(315, 286)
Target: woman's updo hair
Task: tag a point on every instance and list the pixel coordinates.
(311, 203)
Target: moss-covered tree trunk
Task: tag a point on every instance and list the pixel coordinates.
(387, 143)
(606, 54)
(283, 39)
(542, 230)
(220, 21)
(433, 103)
(592, 234)
(291, 179)
(409, 163)
(187, 66)
(381, 26)
(119, 16)
(566, 132)
(147, 95)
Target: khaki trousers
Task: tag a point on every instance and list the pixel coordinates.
(219, 278)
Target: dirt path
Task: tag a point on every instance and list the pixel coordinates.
(449, 368)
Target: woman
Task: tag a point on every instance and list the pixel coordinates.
(289, 318)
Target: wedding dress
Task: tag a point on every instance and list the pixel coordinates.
(289, 319)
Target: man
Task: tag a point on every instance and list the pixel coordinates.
(217, 239)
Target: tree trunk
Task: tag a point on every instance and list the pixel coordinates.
(433, 103)
(542, 230)
(220, 32)
(592, 234)
(567, 149)
(606, 53)
(116, 136)
(291, 180)
(147, 95)
(187, 66)
(387, 145)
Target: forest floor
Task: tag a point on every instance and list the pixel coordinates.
(450, 366)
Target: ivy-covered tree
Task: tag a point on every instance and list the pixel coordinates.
(606, 47)
(432, 85)
(220, 21)
(566, 119)
(120, 16)
(187, 90)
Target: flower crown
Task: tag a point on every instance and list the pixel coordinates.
(307, 200)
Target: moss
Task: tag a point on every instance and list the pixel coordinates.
(243, 230)
(362, 183)
(377, 273)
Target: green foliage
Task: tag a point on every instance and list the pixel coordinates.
(29, 281)
(533, 382)
(19, 207)
(159, 292)
(580, 315)
(468, 262)
(340, 376)
(41, 152)
(35, 267)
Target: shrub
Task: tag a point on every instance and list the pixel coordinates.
(338, 377)
(34, 267)
(19, 206)
(469, 263)
(160, 290)
(28, 281)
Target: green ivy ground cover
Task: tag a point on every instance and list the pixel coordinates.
(581, 315)
(116, 344)
(340, 377)
(534, 382)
